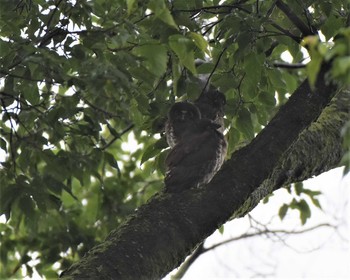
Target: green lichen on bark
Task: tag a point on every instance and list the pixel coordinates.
(318, 149)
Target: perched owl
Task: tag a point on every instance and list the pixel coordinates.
(198, 153)
(211, 104)
(181, 116)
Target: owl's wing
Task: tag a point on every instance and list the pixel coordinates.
(195, 161)
(170, 134)
(186, 148)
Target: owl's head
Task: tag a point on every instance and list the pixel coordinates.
(213, 98)
(184, 111)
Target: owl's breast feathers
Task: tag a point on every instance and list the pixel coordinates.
(196, 158)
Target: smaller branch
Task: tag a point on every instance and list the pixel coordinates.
(305, 30)
(272, 47)
(201, 250)
(46, 39)
(186, 265)
(21, 6)
(143, 18)
(23, 103)
(211, 26)
(108, 114)
(286, 32)
(289, 65)
(215, 66)
(129, 127)
(210, 8)
(53, 13)
(267, 232)
(270, 11)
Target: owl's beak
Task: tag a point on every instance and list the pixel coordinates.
(183, 115)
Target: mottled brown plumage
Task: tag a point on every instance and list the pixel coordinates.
(211, 104)
(199, 151)
(180, 117)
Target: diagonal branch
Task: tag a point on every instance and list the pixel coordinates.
(305, 30)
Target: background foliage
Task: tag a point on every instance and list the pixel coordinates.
(81, 79)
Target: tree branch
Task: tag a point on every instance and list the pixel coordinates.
(318, 149)
(286, 32)
(304, 29)
(186, 265)
(289, 65)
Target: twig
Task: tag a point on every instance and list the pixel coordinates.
(186, 265)
(215, 66)
(289, 65)
(201, 250)
(286, 32)
(212, 24)
(218, 7)
(129, 127)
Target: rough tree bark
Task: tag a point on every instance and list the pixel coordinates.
(160, 234)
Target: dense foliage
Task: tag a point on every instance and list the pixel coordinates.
(82, 80)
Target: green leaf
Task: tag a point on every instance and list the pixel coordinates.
(276, 80)
(244, 123)
(332, 26)
(199, 41)
(3, 144)
(135, 113)
(27, 205)
(131, 5)
(341, 66)
(149, 152)
(8, 195)
(316, 202)
(160, 161)
(305, 212)
(267, 98)
(112, 130)
(31, 93)
(298, 188)
(184, 49)
(313, 68)
(283, 211)
(253, 66)
(111, 160)
(155, 56)
(161, 11)
(233, 137)
(267, 198)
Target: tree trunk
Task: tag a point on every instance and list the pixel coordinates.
(161, 233)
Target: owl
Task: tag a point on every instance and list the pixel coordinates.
(198, 153)
(211, 105)
(181, 116)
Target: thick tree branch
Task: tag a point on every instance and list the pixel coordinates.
(318, 149)
(158, 237)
